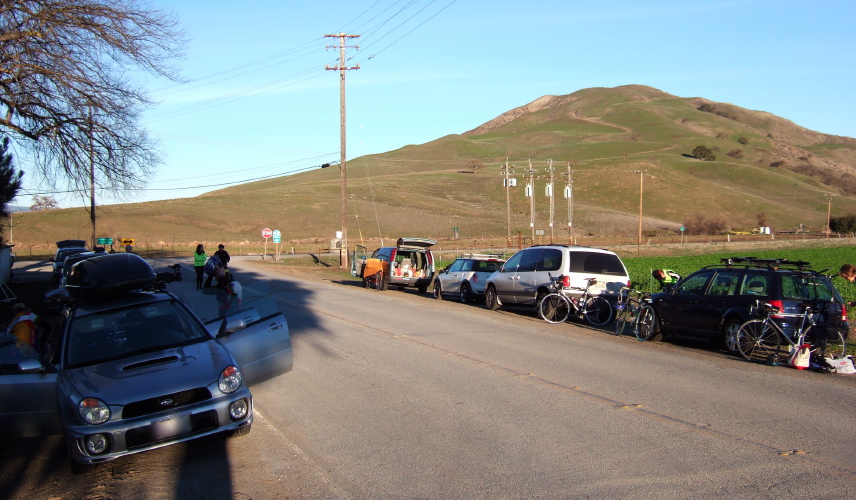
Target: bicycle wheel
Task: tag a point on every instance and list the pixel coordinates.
(554, 308)
(625, 317)
(826, 342)
(597, 311)
(646, 324)
(759, 342)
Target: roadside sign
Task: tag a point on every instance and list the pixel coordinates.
(126, 241)
(276, 234)
(267, 233)
(105, 241)
(277, 239)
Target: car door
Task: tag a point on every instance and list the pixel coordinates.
(253, 329)
(535, 270)
(28, 404)
(719, 297)
(505, 279)
(450, 281)
(679, 310)
(260, 345)
(358, 259)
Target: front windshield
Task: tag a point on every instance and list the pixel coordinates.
(123, 332)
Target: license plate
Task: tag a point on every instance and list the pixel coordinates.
(170, 427)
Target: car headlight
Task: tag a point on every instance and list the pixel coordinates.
(230, 380)
(93, 411)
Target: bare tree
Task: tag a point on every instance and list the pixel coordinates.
(66, 93)
(44, 203)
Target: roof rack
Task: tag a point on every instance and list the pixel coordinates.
(766, 263)
(481, 255)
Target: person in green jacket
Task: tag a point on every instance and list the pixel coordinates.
(199, 259)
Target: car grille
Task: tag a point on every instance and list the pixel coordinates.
(144, 436)
(166, 402)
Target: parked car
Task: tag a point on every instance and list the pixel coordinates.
(525, 277)
(65, 248)
(409, 263)
(714, 301)
(466, 277)
(129, 367)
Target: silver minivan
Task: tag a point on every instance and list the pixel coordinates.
(525, 277)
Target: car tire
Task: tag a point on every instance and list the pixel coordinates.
(380, 282)
(240, 431)
(491, 300)
(466, 293)
(729, 335)
(436, 290)
(649, 327)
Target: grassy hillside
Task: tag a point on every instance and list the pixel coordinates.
(606, 134)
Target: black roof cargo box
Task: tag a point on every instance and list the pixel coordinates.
(71, 243)
(109, 274)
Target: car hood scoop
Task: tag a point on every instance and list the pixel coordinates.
(150, 362)
(145, 376)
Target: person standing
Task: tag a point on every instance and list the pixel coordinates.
(223, 255)
(848, 272)
(199, 259)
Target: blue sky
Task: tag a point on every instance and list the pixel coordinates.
(260, 103)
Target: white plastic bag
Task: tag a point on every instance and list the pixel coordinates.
(800, 357)
(841, 365)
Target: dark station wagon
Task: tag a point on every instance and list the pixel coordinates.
(714, 301)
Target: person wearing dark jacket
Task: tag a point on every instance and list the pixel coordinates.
(223, 255)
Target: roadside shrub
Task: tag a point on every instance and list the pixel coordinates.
(721, 136)
(779, 163)
(735, 153)
(703, 153)
(844, 224)
(701, 225)
(743, 140)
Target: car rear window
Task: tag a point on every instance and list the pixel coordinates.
(598, 263)
(802, 287)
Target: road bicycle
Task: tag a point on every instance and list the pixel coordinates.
(765, 341)
(634, 314)
(557, 306)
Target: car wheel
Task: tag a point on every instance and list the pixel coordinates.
(436, 291)
(466, 293)
(240, 431)
(648, 328)
(729, 335)
(491, 300)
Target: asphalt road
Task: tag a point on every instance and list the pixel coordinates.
(397, 395)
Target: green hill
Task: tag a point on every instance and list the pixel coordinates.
(606, 134)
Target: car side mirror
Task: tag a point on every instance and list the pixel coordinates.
(30, 366)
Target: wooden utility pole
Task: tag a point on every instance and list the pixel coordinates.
(550, 192)
(828, 213)
(92, 183)
(641, 174)
(507, 201)
(569, 195)
(530, 187)
(343, 170)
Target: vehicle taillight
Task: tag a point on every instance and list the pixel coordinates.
(843, 312)
(566, 281)
(778, 304)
